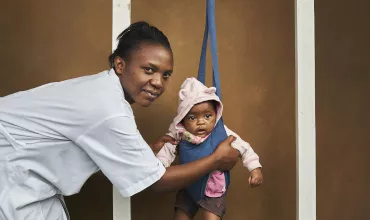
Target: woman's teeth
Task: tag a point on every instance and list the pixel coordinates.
(151, 95)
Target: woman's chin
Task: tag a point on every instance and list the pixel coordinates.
(145, 102)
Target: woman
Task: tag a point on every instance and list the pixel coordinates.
(54, 137)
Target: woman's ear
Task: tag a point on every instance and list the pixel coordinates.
(119, 65)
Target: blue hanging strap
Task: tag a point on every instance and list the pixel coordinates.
(202, 62)
(189, 152)
(210, 28)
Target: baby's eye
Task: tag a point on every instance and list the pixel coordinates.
(208, 116)
(191, 118)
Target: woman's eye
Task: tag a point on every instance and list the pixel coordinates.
(166, 75)
(149, 70)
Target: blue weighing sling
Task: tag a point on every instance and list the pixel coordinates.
(190, 152)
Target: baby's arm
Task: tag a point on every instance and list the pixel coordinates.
(167, 154)
(249, 157)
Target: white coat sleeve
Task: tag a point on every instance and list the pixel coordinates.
(121, 153)
(249, 158)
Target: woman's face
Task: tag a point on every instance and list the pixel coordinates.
(144, 76)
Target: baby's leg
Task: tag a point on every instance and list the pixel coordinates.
(181, 215)
(185, 207)
(213, 207)
(207, 215)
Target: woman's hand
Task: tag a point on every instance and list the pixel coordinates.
(158, 144)
(226, 156)
(255, 178)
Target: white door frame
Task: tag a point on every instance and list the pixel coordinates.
(121, 20)
(305, 109)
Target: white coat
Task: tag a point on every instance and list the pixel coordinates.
(54, 137)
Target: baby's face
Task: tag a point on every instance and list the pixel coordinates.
(201, 119)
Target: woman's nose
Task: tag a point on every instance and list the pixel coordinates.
(156, 81)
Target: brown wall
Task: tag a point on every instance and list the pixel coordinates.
(343, 106)
(43, 41)
(256, 58)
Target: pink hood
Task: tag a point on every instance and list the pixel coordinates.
(191, 93)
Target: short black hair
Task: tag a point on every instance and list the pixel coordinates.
(133, 36)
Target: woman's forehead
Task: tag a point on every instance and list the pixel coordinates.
(152, 53)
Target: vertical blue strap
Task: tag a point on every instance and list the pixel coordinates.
(202, 62)
(212, 33)
(219, 131)
(210, 28)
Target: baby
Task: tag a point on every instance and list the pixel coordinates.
(197, 126)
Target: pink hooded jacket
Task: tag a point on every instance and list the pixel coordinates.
(191, 93)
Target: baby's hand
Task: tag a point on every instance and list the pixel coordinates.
(256, 178)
